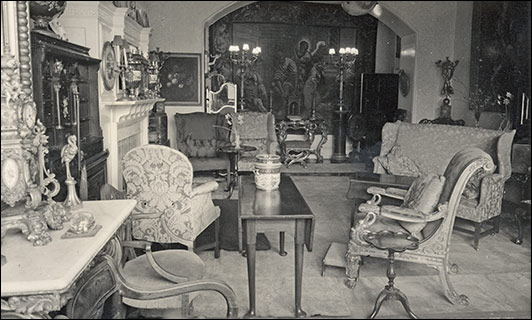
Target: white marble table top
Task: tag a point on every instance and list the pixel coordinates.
(54, 267)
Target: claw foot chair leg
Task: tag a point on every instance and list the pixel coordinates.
(352, 269)
(448, 289)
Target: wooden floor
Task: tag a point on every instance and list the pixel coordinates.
(496, 278)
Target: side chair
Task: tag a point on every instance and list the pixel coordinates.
(427, 213)
(169, 208)
(153, 282)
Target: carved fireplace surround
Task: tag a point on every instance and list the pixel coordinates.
(124, 123)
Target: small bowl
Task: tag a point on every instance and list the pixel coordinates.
(82, 221)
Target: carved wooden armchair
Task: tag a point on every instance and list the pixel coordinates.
(428, 212)
(152, 283)
(169, 208)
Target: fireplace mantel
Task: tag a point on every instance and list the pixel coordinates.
(125, 126)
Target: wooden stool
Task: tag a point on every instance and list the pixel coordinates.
(297, 151)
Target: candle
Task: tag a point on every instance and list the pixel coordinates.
(527, 106)
(117, 55)
(125, 58)
(332, 51)
(522, 108)
(245, 47)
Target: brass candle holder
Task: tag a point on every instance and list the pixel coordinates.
(244, 60)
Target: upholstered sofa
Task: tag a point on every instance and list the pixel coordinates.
(410, 149)
(199, 136)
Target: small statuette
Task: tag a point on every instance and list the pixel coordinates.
(68, 152)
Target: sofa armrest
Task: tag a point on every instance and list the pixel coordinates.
(491, 185)
(377, 167)
(204, 188)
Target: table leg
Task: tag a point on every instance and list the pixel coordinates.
(232, 173)
(251, 242)
(517, 214)
(299, 243)
(281, 244)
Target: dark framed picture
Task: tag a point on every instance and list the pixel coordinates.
(179, 77)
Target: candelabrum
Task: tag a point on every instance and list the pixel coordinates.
(244, 60)
(345, 58)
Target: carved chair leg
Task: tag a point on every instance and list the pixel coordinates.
(496, 224)
(476, 236)
(453, 268)
(352, 269)
(450, 293)
(217, 238)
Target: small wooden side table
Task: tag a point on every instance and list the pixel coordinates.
(393, 242)
(232, 172)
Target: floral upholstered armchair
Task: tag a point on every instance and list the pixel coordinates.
(169, 209)
(255, 129)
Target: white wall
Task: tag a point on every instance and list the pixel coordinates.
(385, 49)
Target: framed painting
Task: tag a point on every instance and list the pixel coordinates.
(179, 78)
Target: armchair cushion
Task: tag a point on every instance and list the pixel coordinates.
(398, 163)
(423, 195)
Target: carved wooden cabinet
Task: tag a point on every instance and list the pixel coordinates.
(65, 89)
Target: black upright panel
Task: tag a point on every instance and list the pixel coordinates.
(378, 101)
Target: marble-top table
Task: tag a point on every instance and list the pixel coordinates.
(53, 268)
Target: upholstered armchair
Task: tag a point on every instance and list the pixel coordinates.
(169, 208)
(256, 129)
(411, 149)
(199, 135)
(427, 213)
